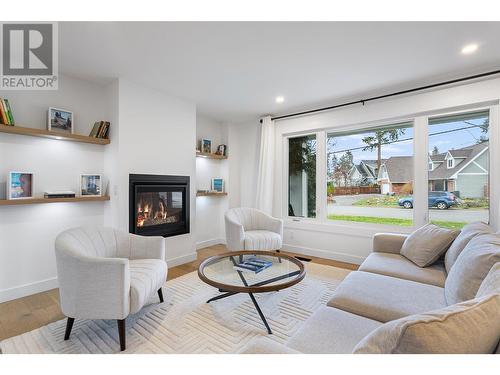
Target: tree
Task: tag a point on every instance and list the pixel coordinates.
(379, 138)
(435, 151)
(342, 171)
(484, 129)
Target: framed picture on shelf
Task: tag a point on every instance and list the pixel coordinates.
(218, 185)
(206, 146)
(20, 185)
(60, 120)
(90, 185)
(222, 150)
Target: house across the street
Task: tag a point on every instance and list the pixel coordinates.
(464, 171)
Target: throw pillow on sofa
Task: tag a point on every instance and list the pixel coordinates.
(424, 246)
(468, 233)
(468, 327)
(471, 267)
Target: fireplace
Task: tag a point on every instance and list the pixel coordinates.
(158, 205)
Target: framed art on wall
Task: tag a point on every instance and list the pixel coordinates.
(218, 185)
(90, 185)
(60, 120)
(20, 185)
(206, 146)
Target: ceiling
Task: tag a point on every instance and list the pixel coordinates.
(234, 70)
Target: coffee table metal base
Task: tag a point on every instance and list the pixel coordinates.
(252, 297)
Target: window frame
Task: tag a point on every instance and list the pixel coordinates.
(421, 167)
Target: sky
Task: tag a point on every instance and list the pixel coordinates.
(444, 142)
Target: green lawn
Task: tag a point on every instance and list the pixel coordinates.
(394, 221)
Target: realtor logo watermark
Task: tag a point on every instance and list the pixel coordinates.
(28, 56)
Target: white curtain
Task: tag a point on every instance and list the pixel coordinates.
(265, 178)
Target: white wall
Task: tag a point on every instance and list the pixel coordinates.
(27, 233)
(352, 242)
(151, 132)
(243, 163)
(155, 134)
(210, 210)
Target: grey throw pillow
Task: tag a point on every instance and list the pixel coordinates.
(471, 267)
(468, 233)
(469, 327)
(424, 246)
(491, 283)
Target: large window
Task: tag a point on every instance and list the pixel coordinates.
(370, 175)
(459, 182)
(302, 176)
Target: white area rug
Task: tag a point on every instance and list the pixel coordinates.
(185, 323)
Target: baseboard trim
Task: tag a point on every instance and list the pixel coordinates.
(28, 289)
(325, 254)
(212, 242)
(181, 260)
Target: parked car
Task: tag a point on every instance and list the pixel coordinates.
(440, 199)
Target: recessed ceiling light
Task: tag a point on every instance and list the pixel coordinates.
(469, 48)
(280, 99)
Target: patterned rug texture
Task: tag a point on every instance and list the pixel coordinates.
(185, 323)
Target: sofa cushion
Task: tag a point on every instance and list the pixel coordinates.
(385, 298)
(331, 330)
(398, 266)
(468, 327)
(468, 233)
(146, 277)
(425, 245)
(491, 283)
(262, 240)
(471, 267)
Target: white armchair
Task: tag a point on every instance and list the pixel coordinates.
(105, 273)
(252, 229)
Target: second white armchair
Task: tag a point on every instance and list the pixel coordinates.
(252, 229)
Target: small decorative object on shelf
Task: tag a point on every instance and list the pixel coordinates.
(218, 185)
(100, 130)
(221, 150)
(90, 185)
(20, 185)
(206, 146)
(59, 194)
(6, 115)
(209, 193)
(60, 120)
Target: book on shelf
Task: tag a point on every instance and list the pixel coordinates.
(6, 115)
(59, 194)
(100, 129)
(253, 264)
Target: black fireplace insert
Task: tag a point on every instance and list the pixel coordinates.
(158, 205)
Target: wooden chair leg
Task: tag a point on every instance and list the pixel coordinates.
(160, 294)
(121, 333)
(69, 326)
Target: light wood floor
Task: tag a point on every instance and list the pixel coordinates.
(31, 312)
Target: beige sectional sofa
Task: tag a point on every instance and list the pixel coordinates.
(391, 305)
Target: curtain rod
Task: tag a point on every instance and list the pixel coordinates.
(363, 101)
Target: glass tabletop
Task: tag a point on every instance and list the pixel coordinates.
(251, 272)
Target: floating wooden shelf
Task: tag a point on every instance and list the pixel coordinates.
(17, 202)
(210, 194)
(210, 156)
(43, 133)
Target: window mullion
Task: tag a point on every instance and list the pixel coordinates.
(420, 186)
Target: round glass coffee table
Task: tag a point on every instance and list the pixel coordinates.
(282, 272)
